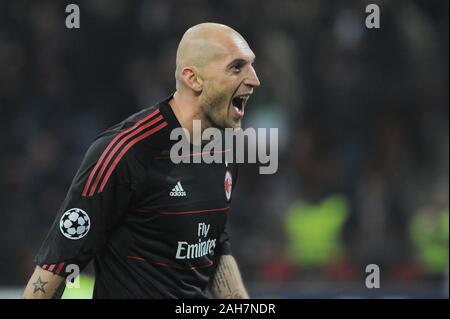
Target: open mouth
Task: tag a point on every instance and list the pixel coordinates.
(239, 103)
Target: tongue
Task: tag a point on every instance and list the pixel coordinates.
(237, 111)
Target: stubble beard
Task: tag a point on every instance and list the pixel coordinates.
(212, 109)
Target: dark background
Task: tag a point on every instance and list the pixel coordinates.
(362, 116)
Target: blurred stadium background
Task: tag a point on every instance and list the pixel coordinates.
(362, 115)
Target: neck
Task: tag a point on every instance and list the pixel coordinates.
(187, 109)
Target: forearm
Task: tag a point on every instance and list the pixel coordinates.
(226, 282)
(44, 284)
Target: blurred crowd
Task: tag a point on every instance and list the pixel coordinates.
(362, 116)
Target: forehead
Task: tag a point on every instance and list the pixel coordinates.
(235, 47)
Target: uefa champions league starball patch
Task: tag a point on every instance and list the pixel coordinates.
(75, 223)
(228, 185)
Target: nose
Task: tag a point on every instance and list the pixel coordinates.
(252, 79)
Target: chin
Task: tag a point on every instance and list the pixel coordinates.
(236, 125)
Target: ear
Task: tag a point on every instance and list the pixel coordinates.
(191, 79)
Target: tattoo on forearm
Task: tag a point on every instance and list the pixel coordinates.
(39, 285)
(221, 282)
(235, 295)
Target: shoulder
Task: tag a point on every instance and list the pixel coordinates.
(114, 154)
(119, 140)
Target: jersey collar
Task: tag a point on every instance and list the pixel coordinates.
(168, 113)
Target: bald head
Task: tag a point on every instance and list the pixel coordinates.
(203, 44)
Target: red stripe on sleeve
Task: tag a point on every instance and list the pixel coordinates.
(60, 267)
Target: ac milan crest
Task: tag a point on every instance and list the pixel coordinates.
(228, 185)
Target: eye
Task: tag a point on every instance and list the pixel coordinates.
(237, 68)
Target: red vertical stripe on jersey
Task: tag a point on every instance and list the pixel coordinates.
(126, 148)
(117, 147)
(52, 266)
(60, 266)
(105, 152)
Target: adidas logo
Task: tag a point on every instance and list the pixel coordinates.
(178, 190)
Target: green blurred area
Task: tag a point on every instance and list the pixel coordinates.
(83, 290)
(314, 231)
(429, 232)
(314, 234)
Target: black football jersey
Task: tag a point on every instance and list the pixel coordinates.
(155, 229)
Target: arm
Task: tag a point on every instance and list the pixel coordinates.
(101, 212)
(44, 284)
(226, 282)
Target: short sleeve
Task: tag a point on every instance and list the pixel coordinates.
(95, 203)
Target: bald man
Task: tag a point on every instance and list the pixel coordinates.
(214, 77)
(153, 228)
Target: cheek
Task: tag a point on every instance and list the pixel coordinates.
(217, 99)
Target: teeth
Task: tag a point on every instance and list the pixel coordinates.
(244, 98)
